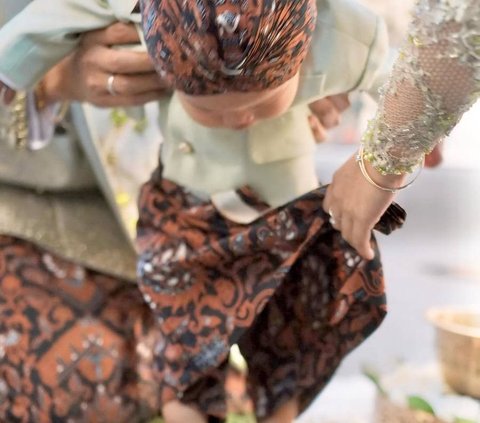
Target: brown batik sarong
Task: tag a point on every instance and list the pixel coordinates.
(75, 345)
(287, 288)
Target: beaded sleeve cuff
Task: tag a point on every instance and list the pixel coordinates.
(435, 79)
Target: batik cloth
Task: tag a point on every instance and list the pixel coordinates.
(287, 289)
(75, 345)
(204, 47)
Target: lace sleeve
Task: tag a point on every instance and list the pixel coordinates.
(435, 79)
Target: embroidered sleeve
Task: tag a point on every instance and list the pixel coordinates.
(435, 79)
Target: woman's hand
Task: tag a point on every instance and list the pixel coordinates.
(84, 75)
(355, 205)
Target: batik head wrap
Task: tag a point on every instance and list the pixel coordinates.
(214, 46)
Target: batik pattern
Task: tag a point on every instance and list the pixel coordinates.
(287, 288)
(205, 47)
(75, 345)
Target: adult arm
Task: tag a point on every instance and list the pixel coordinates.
(436, 78)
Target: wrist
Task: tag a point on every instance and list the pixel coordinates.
(54, 88)
(388, 180)
(382, 181)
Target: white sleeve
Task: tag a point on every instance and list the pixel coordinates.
(435, 79)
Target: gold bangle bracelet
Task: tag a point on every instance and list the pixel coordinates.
(361, 164)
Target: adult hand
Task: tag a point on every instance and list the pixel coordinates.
(326, 114)
(84, 75)
(356, 206)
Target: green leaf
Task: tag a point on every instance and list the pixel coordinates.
(375, 378)
(419, 404)
(460, 420)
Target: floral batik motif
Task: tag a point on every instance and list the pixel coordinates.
(75, 345)
(287, 288)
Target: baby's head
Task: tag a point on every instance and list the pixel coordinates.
(233, 62)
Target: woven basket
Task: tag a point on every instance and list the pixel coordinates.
(458, 348)
(388, 412)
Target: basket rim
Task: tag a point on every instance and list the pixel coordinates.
(434, 314)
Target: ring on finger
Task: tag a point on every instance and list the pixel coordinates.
(110, 87)
(333, 220)
(332, 217)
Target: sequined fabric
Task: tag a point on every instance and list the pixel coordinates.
(436, 78)
(77, 226)
(206, 47)
(287, 288)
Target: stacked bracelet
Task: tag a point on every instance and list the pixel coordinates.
(361, 164)
(19, 123)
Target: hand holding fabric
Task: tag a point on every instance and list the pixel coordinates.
(83, 76)
(355, 206)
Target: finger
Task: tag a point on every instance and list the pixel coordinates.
(336, 221)
(131, 85)
(346, 228)
(117, 61)
(128, 100)
(326, 113)
(327, 201)
(318, 131)
(115, 34)
(340, 101)
(321, 106)
(360, 240)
